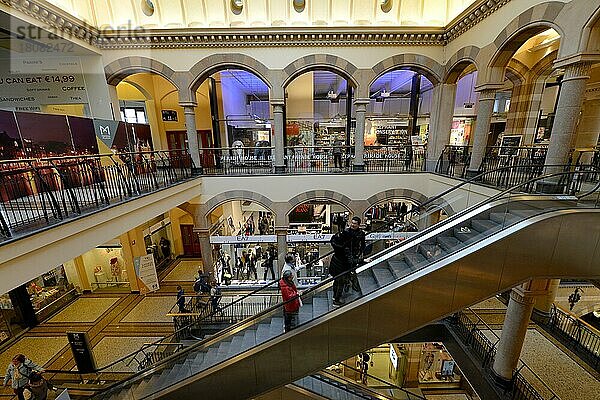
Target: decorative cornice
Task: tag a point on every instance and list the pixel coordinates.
(55, 20)
(473, 15)
(271, 37)
(71, 27)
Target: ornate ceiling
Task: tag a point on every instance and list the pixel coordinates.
(178, 14)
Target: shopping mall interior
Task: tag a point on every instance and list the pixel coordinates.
(163, 161)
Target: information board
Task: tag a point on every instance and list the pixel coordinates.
(28, 83)
(145, 270)
(82, 352)
(509, 144)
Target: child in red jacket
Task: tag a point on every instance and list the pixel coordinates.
(289, 292)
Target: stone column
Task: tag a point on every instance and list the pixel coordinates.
(281, 233)
(359, 135)
(571, 95)
(482, 129)
(588, 128)
(206, 250)
(114, 102)
(514, 329)
(82, 274)
(543, 303)
(279, 128)
(440, 124)
(192, 133)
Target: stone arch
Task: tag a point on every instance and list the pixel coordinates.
(120, 69)
(330, 195)
(424, 65)
(230, 195)
(217, 62)
(528, 24)
(327, 62)
(459, 62)
(413, 195)
(516, 72)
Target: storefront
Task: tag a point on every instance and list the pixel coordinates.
(158, 239)
(461, 132)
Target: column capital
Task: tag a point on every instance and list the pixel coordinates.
(486, 92)
(188, 106)
(523, 296)
(361, 101)
(563, 62)
(202, 232)
(579, 70)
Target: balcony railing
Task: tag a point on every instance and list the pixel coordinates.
(36, 193)
(395, 158)
(315, 159)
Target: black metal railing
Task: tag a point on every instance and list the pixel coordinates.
(318, 159)
(409, 158)
(483, 340)
(454, 161)
(237, 160)
(583, 339)
(35, 193)
(502, 156)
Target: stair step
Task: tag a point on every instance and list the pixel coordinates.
(466, 234)
(504, 218)
(263, 332)
(236, 344)
(276, 326)
(399, 268)
(249, 340)
(449, 243)
(415, 260)
(320, 306)
(198, 359)
(223, 350)
(485, 225)
(383, 276)
(431, 251)
(367, 282)
(209, 358)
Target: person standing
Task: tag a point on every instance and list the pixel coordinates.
(268, 264)
(181, 300)
(38, 386)
(292, 266)
(290, 296)
(18, 373)
(337, 154)
(251, 265)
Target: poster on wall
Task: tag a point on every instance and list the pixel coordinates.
(26, 84)
(145, 270)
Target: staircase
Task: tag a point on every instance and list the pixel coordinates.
(460, 261)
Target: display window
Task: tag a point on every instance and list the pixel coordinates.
(105, 267)
(461, 131)
(158, 239)
(436, 365)
(50, 292)
(318, 217)
(241, 218)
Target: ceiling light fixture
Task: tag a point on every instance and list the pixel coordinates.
(331, 95)
(148, 7)
(299, 5)
(386, 5)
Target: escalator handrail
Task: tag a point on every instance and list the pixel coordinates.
(325, 283)
(320, 376)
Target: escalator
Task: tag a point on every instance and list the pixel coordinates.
(488, 248)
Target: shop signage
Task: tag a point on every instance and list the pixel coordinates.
(82, 352)
(106, 130)
(169, 115)
(146, 273)
(390, 235)
(309, 237)
(447, 368)
(28, 83)
(243, 239)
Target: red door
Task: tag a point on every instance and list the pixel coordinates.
(191, 241)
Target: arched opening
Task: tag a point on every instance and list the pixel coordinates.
(233, 120)
(146, 102)
(397, 122)
(243, 242)
(311, 225)
(319, 116)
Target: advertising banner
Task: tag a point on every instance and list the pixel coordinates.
(145, 271)
(28, 83)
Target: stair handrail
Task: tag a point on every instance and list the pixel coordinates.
(323, 377)
(325, 283)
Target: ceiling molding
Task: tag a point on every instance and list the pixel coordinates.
(71, 27)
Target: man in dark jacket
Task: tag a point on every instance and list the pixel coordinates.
(349, 247)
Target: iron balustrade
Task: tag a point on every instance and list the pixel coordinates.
(409, 158)
(454, 160)
(237, 160)
(582, 338)
(36, 193)
(477, 335)
(318, 159)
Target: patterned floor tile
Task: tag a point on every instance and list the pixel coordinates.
(39, 349)
(85, 309)
(110, 349)
(184, 271)
(152, 309)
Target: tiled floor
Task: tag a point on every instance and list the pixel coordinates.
(563, 375)
(151, 309)
(590, 299)
(184, 271)
(492, 303)
(110, 349)
(85, 309)
(39, 349)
